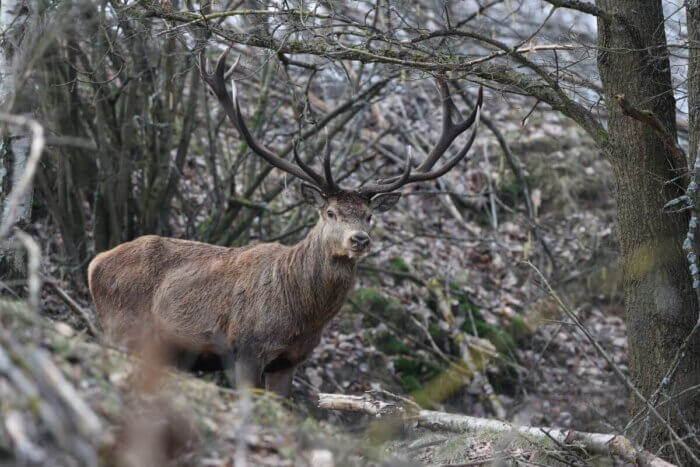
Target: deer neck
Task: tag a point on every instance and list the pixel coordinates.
(321, 280)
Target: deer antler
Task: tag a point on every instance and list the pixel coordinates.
(331, 185)
(217, 83)
(450, 132)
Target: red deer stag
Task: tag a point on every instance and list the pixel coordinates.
(264, 306)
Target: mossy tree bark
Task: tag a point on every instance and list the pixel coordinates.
(661, 305)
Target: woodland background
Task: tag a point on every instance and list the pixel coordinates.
(550, 280)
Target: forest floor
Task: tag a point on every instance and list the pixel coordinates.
(468, 278)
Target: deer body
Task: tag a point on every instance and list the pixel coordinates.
(263, 307)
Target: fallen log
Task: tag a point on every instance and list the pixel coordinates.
(594, 443)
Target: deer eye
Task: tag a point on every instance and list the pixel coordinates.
(330, 214)
(369, 218)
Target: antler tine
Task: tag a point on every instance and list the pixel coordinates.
(229, 72)
(318, 180)
(331, 185)
(450, 130)
(447, 166)
(421, 175)
(217, 83)
(202, 62)
(372, 189)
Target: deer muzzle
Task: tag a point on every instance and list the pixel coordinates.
(359, 242)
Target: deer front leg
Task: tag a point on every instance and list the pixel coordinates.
(280, 381)
(248, 372)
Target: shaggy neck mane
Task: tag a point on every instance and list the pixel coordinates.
(316, 283)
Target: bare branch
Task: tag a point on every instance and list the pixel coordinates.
(74, 306)
(583, 7)
(557, 100)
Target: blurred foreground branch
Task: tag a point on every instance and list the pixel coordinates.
(71, 424)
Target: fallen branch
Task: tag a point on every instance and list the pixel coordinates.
(594, 443)
(348, 403)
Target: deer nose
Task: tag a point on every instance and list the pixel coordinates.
(359, 240)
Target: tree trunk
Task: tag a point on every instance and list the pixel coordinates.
(693, 15)
(14, 148)
(661, 306)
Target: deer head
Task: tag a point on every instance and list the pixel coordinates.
(345, 213)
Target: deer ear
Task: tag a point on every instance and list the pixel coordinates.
(312, 195)
(384, 201)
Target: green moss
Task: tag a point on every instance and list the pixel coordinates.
(407, 365)
(510, 190)
(414, 371)
(410, 383)
(203, 227)
(519, 329)
(372, 276)
(467, 308)
(502, 339)
(504, 342)
(34, 405)
(379, 307)
(271, 412)
(399, 265)
(389, 344)
(436, 332)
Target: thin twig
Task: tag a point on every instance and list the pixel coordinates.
(516, 166)
(75, 307)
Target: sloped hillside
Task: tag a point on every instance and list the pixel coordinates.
(450, 311)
